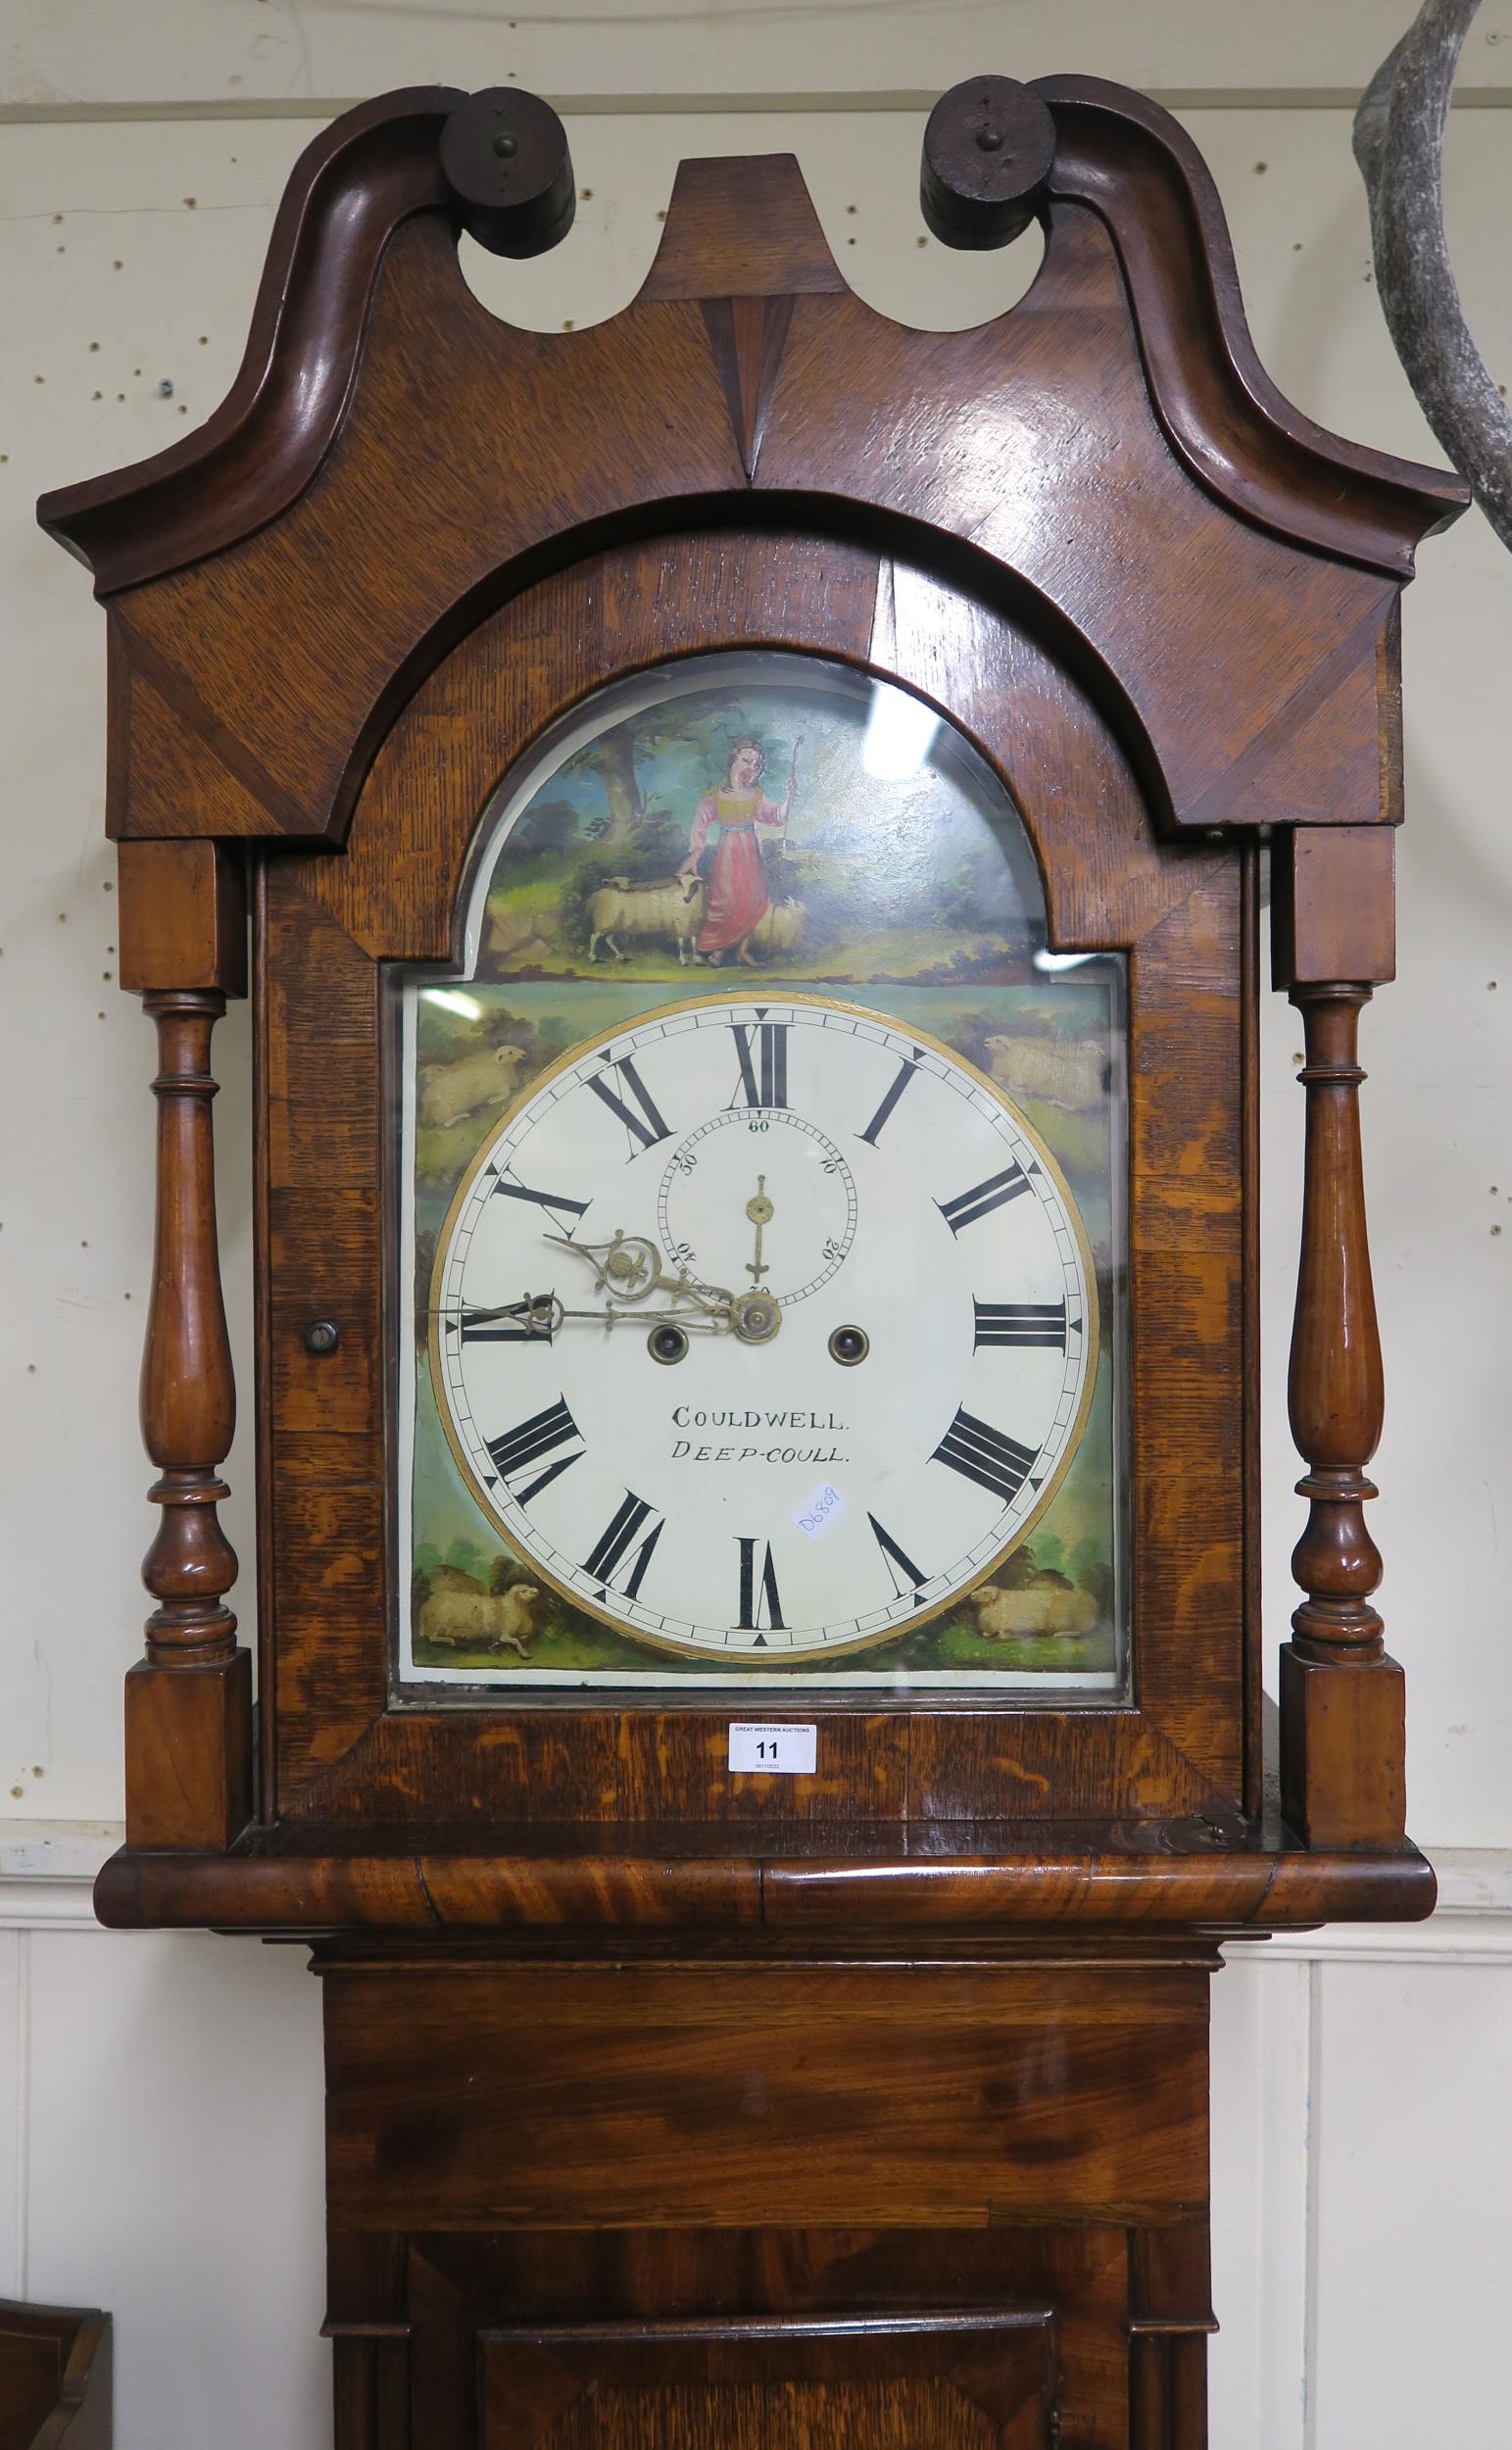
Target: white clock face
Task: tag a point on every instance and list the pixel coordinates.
(763, 1328)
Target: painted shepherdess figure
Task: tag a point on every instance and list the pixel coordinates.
(736, 900)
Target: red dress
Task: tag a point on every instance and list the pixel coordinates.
(736, 899)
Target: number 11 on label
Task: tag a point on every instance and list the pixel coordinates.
(784, 1752)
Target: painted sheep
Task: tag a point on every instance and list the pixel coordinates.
(454, 1090)
(1053, 1071)
(644, 913)
(673, 910)
(1048, 1603)
(455, 1619)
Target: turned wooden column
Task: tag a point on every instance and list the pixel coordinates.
(189, 1701)
(1343, 1700)
(188, 1398)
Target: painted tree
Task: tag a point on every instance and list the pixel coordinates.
(1399, 144)
(614, 757)
(706, 722)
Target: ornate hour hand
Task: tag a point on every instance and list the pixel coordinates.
(628, 1269)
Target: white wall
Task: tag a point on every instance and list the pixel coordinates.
(142, 150)
(165, 2131)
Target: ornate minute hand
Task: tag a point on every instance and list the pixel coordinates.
(540, 1315)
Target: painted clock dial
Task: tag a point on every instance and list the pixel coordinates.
(763, 1328)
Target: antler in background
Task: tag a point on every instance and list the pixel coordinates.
(1399, 144)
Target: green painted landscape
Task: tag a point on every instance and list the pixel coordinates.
(615, 863)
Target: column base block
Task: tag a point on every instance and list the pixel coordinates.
(1343, 1752)
(189, 1754)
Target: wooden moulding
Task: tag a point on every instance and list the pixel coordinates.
(591, 1882)
(379, 165)
(1342, 1698)
(1140, 170)
(1170, 2319)
(351, 188)
(188, 1709)
(944, 2371)
(730, 387)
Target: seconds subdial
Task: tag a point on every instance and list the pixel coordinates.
(772, 1183)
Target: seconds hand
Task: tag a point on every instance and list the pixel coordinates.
(761, 1211)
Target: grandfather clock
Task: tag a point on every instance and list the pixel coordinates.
(751, 820)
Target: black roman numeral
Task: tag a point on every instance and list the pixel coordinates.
(995, 1192)
(527, 1322)
(613, 1544)
(982, 1453)
(750, 1602)
(906, 1073)
(1021, 1323)
(647, 1127)
(519, 1449)
(556, 1203)
(762, 1049)
(898, 1560)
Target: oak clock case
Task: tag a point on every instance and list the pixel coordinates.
(850, 1175)
(743, 827)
